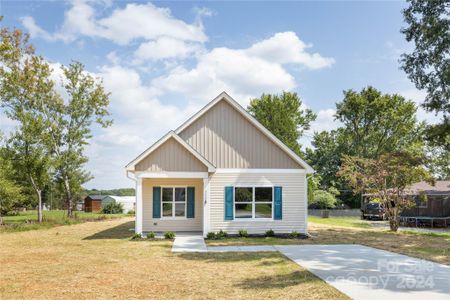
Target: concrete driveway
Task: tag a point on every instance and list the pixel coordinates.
(366, 273)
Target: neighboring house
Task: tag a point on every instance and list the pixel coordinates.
(432, 204)
(431, 200)
(221, 169)
(128, 202)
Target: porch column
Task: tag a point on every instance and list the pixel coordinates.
(138, 223)
(205, 206)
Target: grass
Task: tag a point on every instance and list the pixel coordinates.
(28, 220)
(430, 246)
(355, 222)
(97, 260)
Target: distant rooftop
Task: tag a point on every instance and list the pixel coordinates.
(440, 187)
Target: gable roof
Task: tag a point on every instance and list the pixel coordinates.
(97, 197)
(170, 134)
(224, 96)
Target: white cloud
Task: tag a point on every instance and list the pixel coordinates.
(163, 48)
(325, 121)
(134, 21)
(34, 30)
(244, 73)
(285, 48)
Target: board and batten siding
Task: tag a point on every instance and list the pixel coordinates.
(228, 140)
(181, 224)
(172, 157)
(293, 203)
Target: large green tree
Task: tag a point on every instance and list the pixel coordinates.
(372, 124)
(284, 116)
(376, 123)
(70, 128)
(24, 84)
(428, 65)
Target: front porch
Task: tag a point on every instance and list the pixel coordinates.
(171, 201)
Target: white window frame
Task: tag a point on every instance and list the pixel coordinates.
(173, 217)
(253, 202)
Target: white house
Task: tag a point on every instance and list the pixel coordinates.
(221, 169)
(128, 202)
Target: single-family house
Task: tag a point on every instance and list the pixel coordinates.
(220, 170)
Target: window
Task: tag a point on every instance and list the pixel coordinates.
(173, 202)
(253, 202)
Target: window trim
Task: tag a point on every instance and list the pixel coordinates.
(173, 217)
(253, 203)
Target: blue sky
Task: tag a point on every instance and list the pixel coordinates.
(162, 61)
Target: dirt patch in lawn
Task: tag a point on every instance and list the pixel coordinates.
(96, 260)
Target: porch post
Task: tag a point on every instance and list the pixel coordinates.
(138, 223)
(205, 206)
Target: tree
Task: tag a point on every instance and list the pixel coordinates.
(428, 66)
(71, 125)
(284, 116)
(385, 178)
(376, 123)
(372, 124)
(325, 158)
(10, 191)
(25, 82)
(438, 161)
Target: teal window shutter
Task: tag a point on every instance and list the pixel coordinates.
(156, 202)
(278, 203)
(190, 202)
(228, 203)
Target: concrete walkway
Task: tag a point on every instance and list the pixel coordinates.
(358, 271)
(366, 273)
(189, 242)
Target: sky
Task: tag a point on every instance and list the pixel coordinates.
(163, 61)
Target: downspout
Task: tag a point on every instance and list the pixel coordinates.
(307, 176)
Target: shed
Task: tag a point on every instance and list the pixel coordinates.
(93, 203)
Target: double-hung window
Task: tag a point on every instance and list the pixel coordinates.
(173, 202)
(253, 202)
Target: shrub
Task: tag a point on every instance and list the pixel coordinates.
(131, 212)
(221, 234)
(151, 235)
(135, 237)
(323, 199)
(243, 233)
(211, 235)
(169, 235)
(294, 235)
(270, 233)
(112, 208)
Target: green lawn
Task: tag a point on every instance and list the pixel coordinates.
(28, 220)
(354, 222)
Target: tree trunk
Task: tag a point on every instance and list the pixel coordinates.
(39, 194)
(68, 196)
(394, 220)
